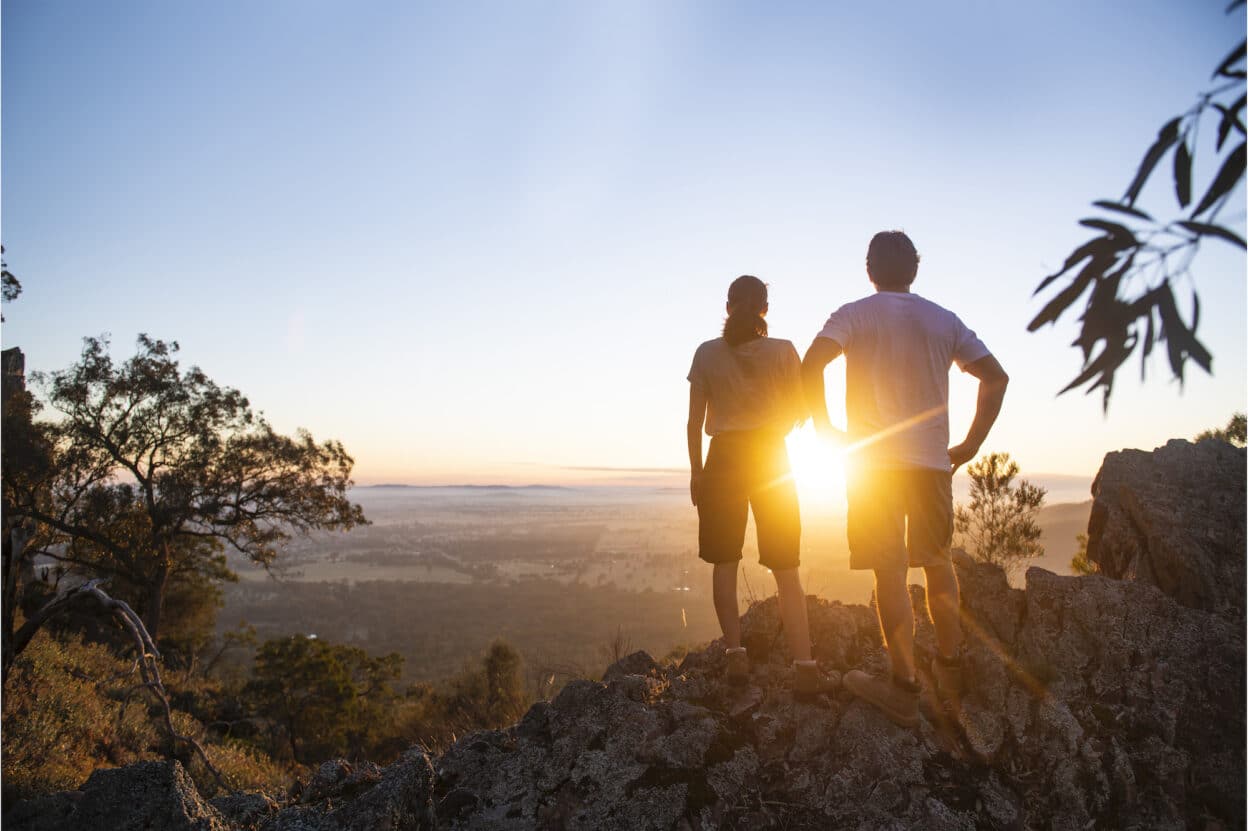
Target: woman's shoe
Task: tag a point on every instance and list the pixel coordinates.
(738, 666)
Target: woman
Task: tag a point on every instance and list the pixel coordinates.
(746, 389)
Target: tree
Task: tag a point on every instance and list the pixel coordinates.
(1235, 432)
(10, 286)
(1000, 525)
(324, 698)
(156, 471)
(1128, 272)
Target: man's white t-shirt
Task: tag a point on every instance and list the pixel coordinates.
(898, 350)
(751, 386)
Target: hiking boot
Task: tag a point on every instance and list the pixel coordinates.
(809, 682)
(738, 666)
(895, 698)
(947, 678)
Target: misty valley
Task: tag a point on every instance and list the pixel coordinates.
(570, 576)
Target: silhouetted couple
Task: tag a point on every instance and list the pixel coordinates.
(749, 390)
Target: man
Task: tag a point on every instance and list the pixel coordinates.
(898, 350)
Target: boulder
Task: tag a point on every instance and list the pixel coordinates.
(1174, 518)
(137, 797)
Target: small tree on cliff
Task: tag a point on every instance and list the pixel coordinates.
(999, 525)
(1080, 564)
(156, 471)
(1235, 432)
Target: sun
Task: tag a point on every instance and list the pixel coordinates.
(818, 468)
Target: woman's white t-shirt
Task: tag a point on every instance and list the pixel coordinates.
(751, 386)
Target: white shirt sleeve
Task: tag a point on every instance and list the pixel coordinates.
(967, 348)
(839, 328)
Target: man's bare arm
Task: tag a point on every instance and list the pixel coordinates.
(992, 384)
(693, 433)
(822, 352)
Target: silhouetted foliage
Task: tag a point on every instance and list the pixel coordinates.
(71, 707)
(485, 697)
(1080, 564)
(1129, 271)
(999, 525)
(10, 287)
(323, 699)
(156, 470)
(1235, 432)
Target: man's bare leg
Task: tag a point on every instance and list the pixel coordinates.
(793, 612)
(943, 606)
(724, 591)
(892, 603)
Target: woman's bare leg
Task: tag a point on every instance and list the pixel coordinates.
(724, 584)
(793, 612)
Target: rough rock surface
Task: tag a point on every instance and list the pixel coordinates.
(1174, 518)
(138, 797)
(1091, 703)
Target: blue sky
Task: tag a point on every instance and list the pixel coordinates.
(480, 241)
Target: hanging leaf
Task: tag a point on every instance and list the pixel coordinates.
(1230, 120)
(1183, 174)
(1181, 342)
(1054, 308)
(1088, 249)
(1121, 232)
(1147, 348)
(1166, 136)
(1206, 230)
(1126, 209)
(1224, 68)
(1232, 171)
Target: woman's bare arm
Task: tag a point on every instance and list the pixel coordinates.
(693, 433)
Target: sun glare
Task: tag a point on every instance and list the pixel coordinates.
(818, 469)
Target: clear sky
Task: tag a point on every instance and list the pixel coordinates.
(479, 241)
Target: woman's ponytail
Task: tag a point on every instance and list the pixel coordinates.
(747, 302)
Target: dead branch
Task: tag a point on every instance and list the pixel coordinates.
(90, 593)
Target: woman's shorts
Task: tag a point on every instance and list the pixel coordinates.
(899, 518)
(748, 471)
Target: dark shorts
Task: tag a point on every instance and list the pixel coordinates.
(748, 471)
(899, 518)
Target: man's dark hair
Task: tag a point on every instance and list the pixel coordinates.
(892, 260)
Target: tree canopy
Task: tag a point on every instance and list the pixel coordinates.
(156, 471)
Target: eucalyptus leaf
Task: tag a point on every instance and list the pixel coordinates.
(1207, 230)
(1231, 172)
(1166, 137)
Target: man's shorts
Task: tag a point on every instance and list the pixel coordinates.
(744, 471)
(899, 518)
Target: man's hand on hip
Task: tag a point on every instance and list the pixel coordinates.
(960, 454)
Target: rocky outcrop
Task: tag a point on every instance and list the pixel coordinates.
(138, 797)
(1174, 518)
(1090, 702)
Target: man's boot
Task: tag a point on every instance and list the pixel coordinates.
(894, 697)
